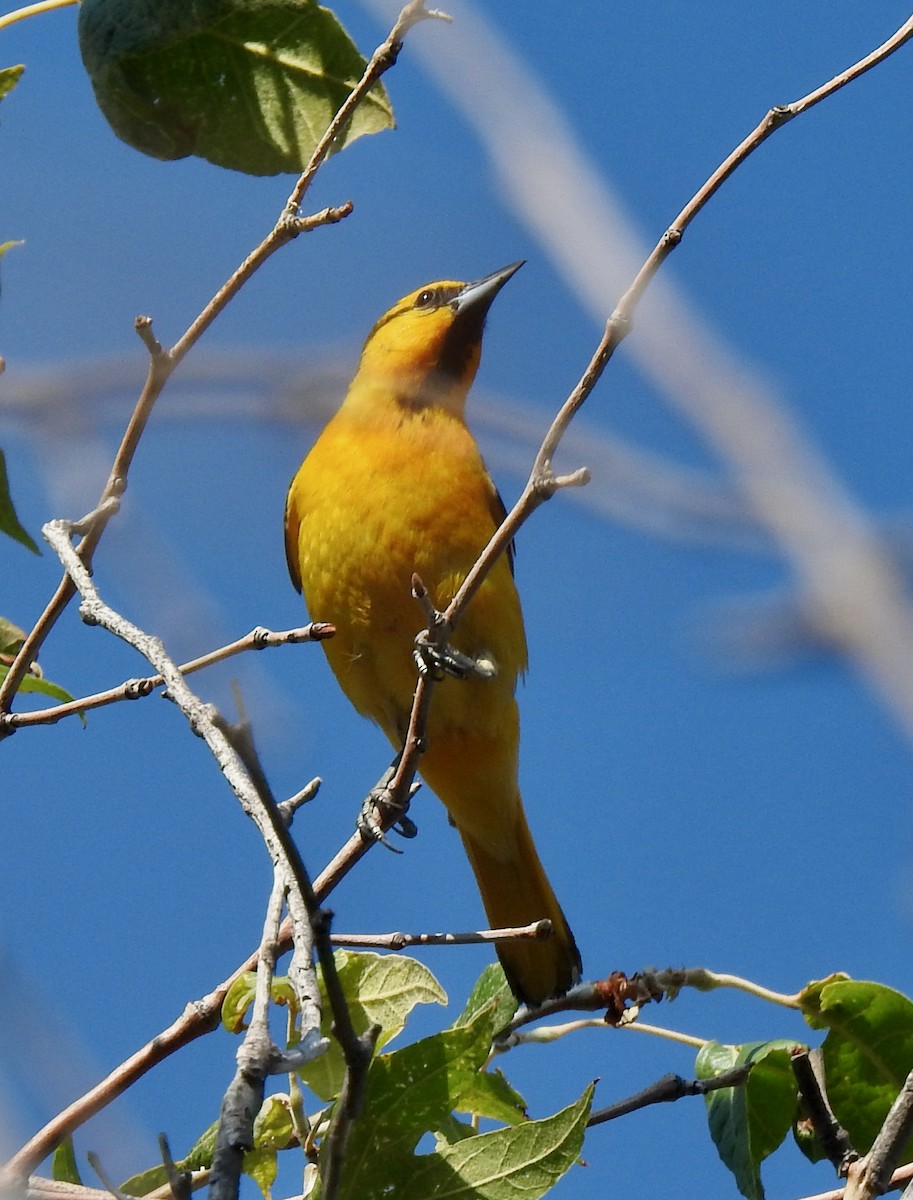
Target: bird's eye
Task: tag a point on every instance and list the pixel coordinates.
(426, 299)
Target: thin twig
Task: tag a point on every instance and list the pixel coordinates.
(539, 930)
(135, 689)
(667, 1089)
(672, 980)
(542, 483)
(383, 58)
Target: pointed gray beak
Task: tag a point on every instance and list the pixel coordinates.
(481, 293)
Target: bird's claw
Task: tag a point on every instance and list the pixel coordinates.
(377, 810)
(439, 661)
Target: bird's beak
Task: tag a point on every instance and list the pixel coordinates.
(480, 294)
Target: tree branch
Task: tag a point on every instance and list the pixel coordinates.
(162, 363)
(538, 930)
(670, 1088)
(135, 689)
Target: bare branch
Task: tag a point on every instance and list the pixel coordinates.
(135, 689)
(670, 1088)
(539, 931)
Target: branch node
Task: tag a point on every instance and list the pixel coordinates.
(87, 613)
(779, 115)
(289, 807)
(143, 327)
(579, 478)
(137, 689)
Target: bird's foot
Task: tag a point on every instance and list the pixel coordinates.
(438, 661)
(382, 811)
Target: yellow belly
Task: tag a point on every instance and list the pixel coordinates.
(373, 505)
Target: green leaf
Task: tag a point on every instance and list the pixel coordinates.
(491, 986)
(273, 1127)
(868, 1051)
(198, 1157)
(37, 683)
(262, 1167)
(240, 996)
(488, 1094)
(748, 1123)
(11, 639)
(409, 1093)
(525, 1160)
(63, 1163)
(247, 84)
(381, 989)
(9, 522)
(8, 79)
(452, 1130)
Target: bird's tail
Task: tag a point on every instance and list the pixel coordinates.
(516, 891)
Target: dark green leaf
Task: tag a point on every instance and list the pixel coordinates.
(748, 1123)
(9, 77)
(868, 1051)
(247, 84)
(9, 522)
(63, 1163)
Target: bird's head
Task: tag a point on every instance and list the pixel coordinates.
(424, 351)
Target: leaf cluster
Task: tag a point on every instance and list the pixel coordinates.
(866, 1055)
(440, 1086)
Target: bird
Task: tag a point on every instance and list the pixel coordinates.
(395, 486)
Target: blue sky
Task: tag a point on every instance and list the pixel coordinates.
(691, 811)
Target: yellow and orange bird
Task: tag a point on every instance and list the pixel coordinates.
(395, 485)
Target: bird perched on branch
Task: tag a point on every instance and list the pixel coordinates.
(396, 486)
